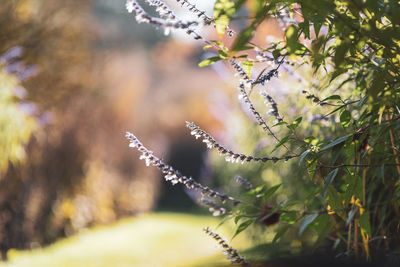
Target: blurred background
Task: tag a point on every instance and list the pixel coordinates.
(74, 77)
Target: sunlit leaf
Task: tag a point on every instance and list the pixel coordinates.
(209, 61)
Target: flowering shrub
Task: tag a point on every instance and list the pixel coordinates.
(347, 158)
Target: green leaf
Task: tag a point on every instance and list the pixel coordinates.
(364, 222)
(332, 97)
(281, 143)
(237, 218)
(335, 142)
(281, 231)
(223, 11)
(248, 66)
(222, 54)
(329, 180)
(207, 47)
(305, 27)
(280, 123)
(224, 220)
(256, 190)
(289, 217)
(242, 39)
(270, 191)
(209, 61)
(334, 199)
(303, 156)
(345, 118)
(293, 126)
(317, 27)
(306, 222)
(243, 227)
(291, 36)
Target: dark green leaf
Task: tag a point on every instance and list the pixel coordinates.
(329, 180)
(243, 38)
(364, 222)
(270, 191)
(293, 126)
(332, 97)
(335, 142)
(243, 227)
(237, 218)
(281, 143)
(345, 118)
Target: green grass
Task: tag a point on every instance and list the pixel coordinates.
(159, 239)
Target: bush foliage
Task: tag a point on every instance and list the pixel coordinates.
(344, 164)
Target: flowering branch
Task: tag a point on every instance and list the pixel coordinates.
(256, 114)
(174, 176)
(162, 9)
(229, 155)
(244, 182)
(231, 253)
(142, 16)
(213, 207)
(274, 107)
(202, 15)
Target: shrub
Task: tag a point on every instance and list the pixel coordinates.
(344, 163)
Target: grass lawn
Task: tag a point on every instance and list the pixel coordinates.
(158, 239)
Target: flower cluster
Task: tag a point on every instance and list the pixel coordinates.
(162, 9)
(174, 176)
(256, 114)
(266, 77)
(142, 16)
(229, 155)
(274, 107)
(261, 56)
(213, 207)
(240, 71)
(231, 253)
(192, 8)
(202, 15)
(314, 98)
(244, 182)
